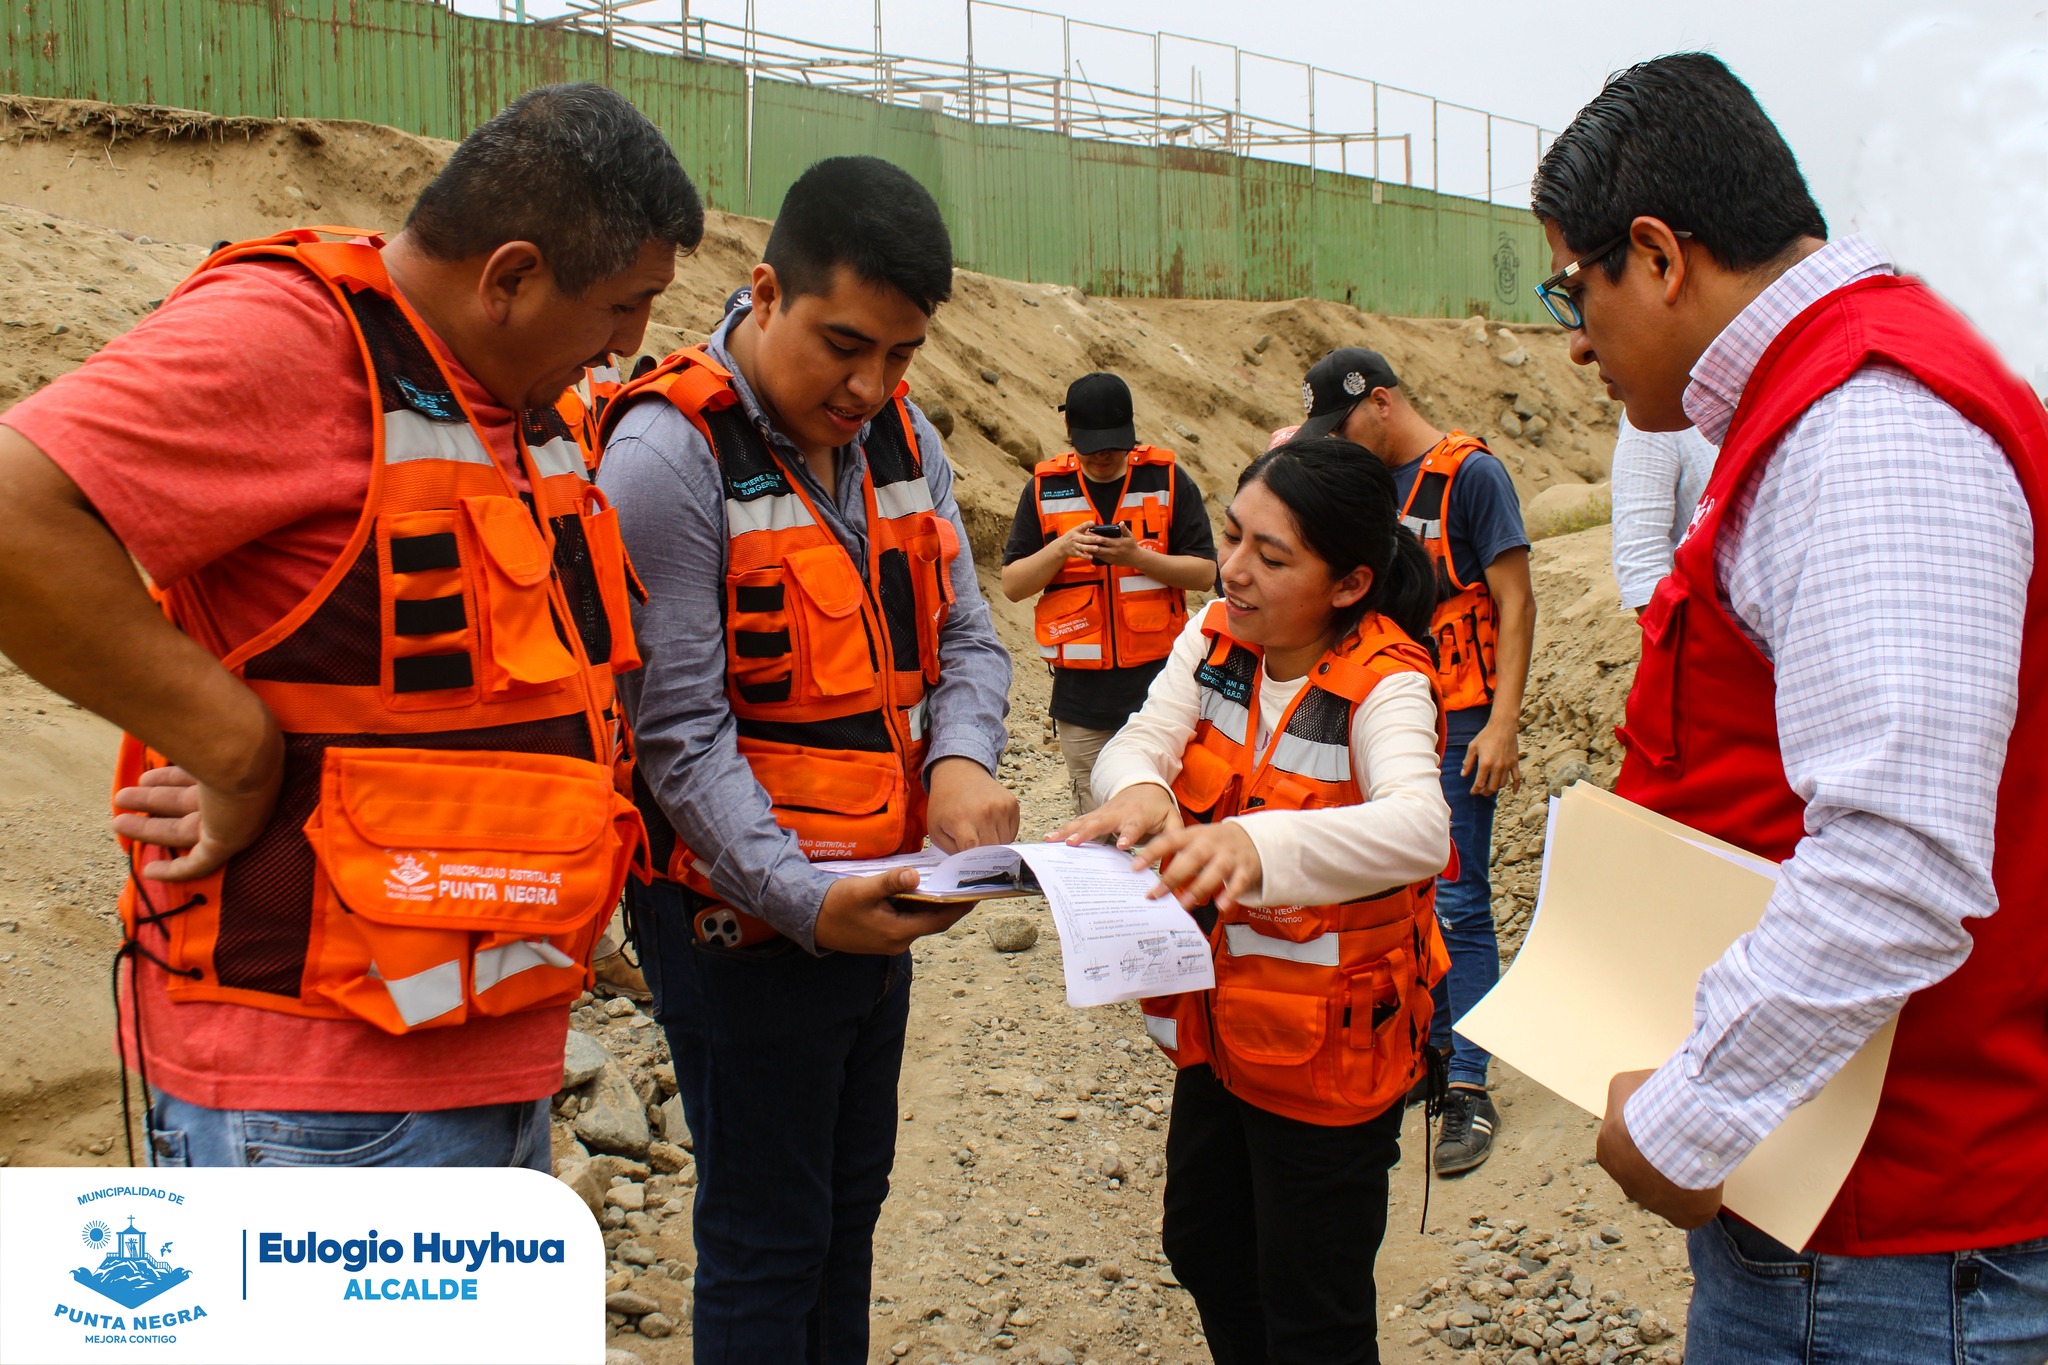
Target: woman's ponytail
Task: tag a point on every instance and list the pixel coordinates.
(1406, 593)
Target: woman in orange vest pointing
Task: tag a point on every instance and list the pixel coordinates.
(1283, 777)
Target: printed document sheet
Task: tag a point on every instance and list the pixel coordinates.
(1115, 943)
(1631, 910)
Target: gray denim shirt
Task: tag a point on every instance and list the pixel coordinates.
(660, 473)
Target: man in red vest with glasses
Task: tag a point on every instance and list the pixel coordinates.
(1847, 672)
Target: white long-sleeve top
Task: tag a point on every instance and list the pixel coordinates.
(1400, 833)
(1657, 481)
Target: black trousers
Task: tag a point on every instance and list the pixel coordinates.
(1273, 1225)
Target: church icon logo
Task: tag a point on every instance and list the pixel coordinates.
(129, 1274)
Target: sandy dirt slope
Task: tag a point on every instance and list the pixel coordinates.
(1012, 1101)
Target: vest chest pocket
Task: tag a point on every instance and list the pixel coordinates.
(830, 631)
(522, 646)
(758, 641)
(429, 605)
(451, 883)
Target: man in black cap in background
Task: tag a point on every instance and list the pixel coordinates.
(1458, 498)
(1113, 536)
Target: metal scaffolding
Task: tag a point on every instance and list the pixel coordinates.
(1067, 102)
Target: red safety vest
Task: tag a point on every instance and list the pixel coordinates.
(448, 840)
(1319, 1011)
(1106, 615)
(1958, 1155)
(1464, 624)
(828, 669)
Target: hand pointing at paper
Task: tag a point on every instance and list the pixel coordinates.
(1631, 1170)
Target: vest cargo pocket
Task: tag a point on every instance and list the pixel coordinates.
(832, 633)
(1651, 722)
(846, 805)
(522, 647)
(1179, 1024)
(1069, 620)
(428, 604)
(757, 636)
(1262, 1028)
(1375, 1030)
(1204, 777)
(451, 883)
(1144, 610)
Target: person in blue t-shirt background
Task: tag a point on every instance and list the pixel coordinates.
(1457, 496)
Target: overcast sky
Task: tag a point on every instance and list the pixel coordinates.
(1924, 126)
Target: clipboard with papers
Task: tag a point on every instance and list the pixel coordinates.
(1632, 908)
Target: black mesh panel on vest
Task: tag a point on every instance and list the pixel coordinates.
(749, 468)
(890, 456)
(266, 903)
(542, 425)
(1321, 718)
(407, 376)
(579, 585)
(337, 644)
(899, 609)
(867, 732)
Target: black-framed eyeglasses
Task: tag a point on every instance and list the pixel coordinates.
(1561, 306)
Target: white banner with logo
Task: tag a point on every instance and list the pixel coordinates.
(288, 1266)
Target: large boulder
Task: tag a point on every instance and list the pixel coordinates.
(612, 1119)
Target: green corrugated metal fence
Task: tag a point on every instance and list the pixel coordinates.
(1023, 204)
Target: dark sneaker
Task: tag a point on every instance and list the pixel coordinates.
(1465, 1138)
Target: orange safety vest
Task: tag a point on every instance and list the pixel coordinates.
(448, 840)
(827, 668)
(1465, 626)
(1077, 626)
(582, 409)
(1319, 1011)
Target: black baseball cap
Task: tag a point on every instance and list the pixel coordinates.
(742, 297)
(1334, 386)
(1099, 416)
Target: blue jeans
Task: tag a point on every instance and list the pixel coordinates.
(184, 1134)
(1757, 1302)
(1465, 907)
(786, 1065)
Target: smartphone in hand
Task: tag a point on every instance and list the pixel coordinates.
(1107, 530)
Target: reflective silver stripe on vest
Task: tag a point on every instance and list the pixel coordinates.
(409, 436)
(902, 498)
(1137, 582)
(917, 719)
(1140, 499)
(1245, 941)
(1049, 651)
(1324, 762)
(1080, 651)
(604, 374)
(1226, 715)
(559, 456)
(424, 995)
(783, 512)
(1070, 502)
(1165, 1032)
(495, 964)
(1424, 530)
